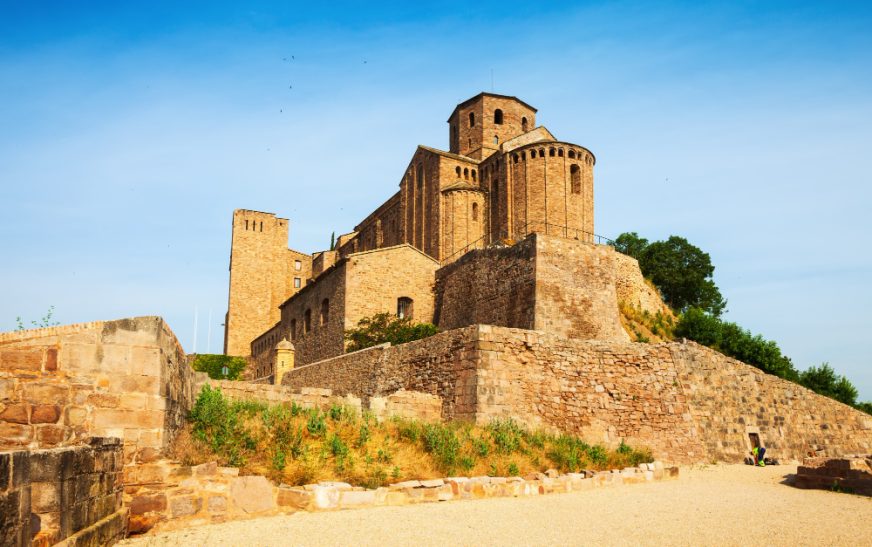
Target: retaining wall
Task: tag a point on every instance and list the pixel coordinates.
(126, 378)
(68, 494)
(686, 402)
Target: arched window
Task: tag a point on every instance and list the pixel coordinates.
(524, 124)
(496, 139)
(551, 152)
(472, 119)
(560, 152)
(575, 175)
(293, 329)
(475, 211)
(515, 158)
(307, 322)
(420, 177)
(404, 307)
(498, 116)
(541, 152)
(523, 156)
(466, 173)
(246, 225)
(572, 154)
(473, 175)
(470, 143)
(457, 170)
(261, 225)
(325, 311)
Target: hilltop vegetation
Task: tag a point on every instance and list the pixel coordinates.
(682, 273)
(294, 445)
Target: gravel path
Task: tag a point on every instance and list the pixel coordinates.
(714, 505)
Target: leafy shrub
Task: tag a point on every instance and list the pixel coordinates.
(213, 365)
(441, 441)
(386, 327)
(315, 425)
(506, 435)
(513, 469)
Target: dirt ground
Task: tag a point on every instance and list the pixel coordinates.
(709, 505)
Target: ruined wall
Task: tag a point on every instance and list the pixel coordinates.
(71, 494)
(126, 378)
(686, 402)
(489, 286)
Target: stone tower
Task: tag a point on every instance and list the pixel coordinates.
(479, 125)
(259, 277)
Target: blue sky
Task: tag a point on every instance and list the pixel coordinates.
(131, 132)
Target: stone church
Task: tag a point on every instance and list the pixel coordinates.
(503, 178)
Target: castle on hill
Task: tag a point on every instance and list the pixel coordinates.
(502, 179)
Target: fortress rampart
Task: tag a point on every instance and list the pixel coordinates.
(686, 402)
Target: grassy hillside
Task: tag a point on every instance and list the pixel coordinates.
(299, 446)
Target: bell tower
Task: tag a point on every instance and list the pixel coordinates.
(478, 126)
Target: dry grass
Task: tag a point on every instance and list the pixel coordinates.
(299, 446)
(643, 326)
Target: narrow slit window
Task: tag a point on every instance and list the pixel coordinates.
(404, 307)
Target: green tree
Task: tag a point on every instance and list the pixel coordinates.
(697, 325)
(683, 274)
(213, 365)
(865, 407)
(824, 380)
(386, 327)
(631, 244)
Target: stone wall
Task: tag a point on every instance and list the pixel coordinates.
(442, 365)
(686, 402)
(495, 286)
(68, 494)
(575, 290)
(550, 283)
(126, 378)
(632, 288)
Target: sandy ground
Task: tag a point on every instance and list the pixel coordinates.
(713, 505)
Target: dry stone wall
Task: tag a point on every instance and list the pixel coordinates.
(126, 379)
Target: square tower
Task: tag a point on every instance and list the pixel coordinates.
(479, 125)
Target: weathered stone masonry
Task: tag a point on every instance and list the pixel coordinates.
(686, 402)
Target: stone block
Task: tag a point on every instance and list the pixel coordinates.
(205, 469)
(45, 497)
(21, 359)
(217, 504)
(16, 414)
(351, 499)
(253, 494)
(297, 498)
(45, 414)
(432, 483)
(405, 484)
(324, 497)
(147, 503)
(20, 469)
(183, 506)
(45, 393)
(49, 435)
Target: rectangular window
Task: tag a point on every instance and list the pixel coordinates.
(297, 282)
(298, 265)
